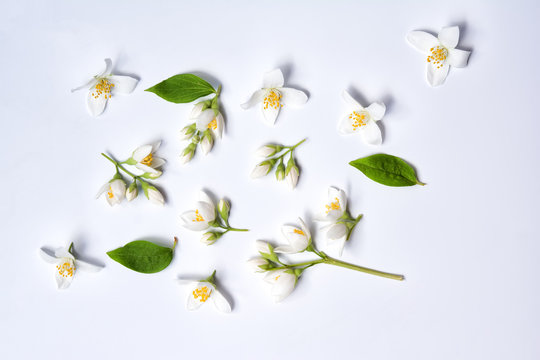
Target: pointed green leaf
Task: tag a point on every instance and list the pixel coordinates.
(183, 88)
(143, 256)
(387, 170)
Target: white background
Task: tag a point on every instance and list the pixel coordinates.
(467, 242)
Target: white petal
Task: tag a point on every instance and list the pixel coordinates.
(64, 280)
(449, 36)
(220, 122)
(283, 286)
(63, 253)
(285, 249)
(156, 197)
(221, 302)
(422, 40)
(296, 237)
(435, 75)
(204, 197)
(204, 119)
(193, 302)
(260, 171)
(345, 126)
(158, 162)
(155, 146)
(292, 178)
(376, 110)
(206, 145)
(108, 68)
(350, 101)
(207, 211)
(95, 105)
(141, 152)
(48, 257)
(103, 189)
(304, 227)
(339, 196)
(122, 84)
(293, 97)
(83, 265)
(371, 133)
(270, 114)
(189, 221)
(336, 231)
(458, 58)
(89, 84)
(118, 188)
(257, 97)
(273, 79)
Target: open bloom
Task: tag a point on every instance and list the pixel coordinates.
(114, 190)
(298, 238)
(334, 208)
(66, 264)
(143, 158)
(283, 283)
(441, 52)
(208, 119)
(362, 120)
(274, 96)
(204, 290)
(204, 213)
(103, 86)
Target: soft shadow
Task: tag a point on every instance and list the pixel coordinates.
(224, 292)
(206, 76)
(79, 246)
(287, 69)
(161, 241)
(117, 63)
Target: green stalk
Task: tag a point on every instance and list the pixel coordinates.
(119, 166)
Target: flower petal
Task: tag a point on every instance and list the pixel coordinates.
(270, 114)
(350, 100)
(345, 126)
(141, 152)
(376, 110)
(193, 303)
(273, 79)
(371, 133)
(85, 266)
(95, 105)
(158, 162)
(337, 194)
(458, 58)
(293, 97)
(89, 84)
(207, 211)
(204, 197)
(108, 68)
(422, 40)
(435, 75)
(304, 227)
(297, 238)
(221, 302)
(204, 119)
(257, 97)
(449, 36)
(122, 84)
(61, 253)
(336, 231)
(48, 257)
(285, 249)
(146, 168)
(189, 221)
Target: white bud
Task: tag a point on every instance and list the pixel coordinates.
(209, 238)
(132, 192)
(263, 246)
(260, 170)
(292, 177)
(196, 111)
(265, 151)
(155, 196)
(206, 144)
(255, 264)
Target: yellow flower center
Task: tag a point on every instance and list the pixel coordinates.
(147, 160)
(110, 193)
(299, 232)
(273, 99)
(103, 87)
(198, 217)
(202, 293)
(359, 119)
(277, 277)
(333, 206)
(66, 269)
(438, 56)
(213, 124)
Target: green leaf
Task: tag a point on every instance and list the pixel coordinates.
(183, 88)
(143, 256)
(387, 170)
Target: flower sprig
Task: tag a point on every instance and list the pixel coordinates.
(284, 276)
(275, 154)
(144, 160)
(205, 216)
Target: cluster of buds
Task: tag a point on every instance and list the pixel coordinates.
(144, 166)
(207, 125)
(274, 154)
(205, 216)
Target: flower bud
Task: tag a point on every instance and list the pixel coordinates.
(187, 132)
(268, 150)
(132, 191)
(210, 237)
(196, 138)
(207, 142)
(263, 247)
(188, 153)
(280, 172)
(292, 177)
(262, 169)
(224, 207)
(154, 175)
(154, 195)
(258, 264)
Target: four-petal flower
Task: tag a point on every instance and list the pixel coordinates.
(143, 158)
(362, 120)
(298, 238)
(204, 213)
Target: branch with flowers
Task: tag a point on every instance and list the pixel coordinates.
(147, 165)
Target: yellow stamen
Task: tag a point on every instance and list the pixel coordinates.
(333, 206)
(213, 124)
(66, 269)
(438, 56)
(273, 99)
(299, 232)
(147, 160)
(277, 277)
(359, 118)
(202, 293)
(198, 217)
(110, 193)
(103, 87)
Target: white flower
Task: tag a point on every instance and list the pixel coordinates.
(283, 283)
(66, 264)
(209, 119)
(144, 159)
(362, 120)
(261, 169)
(441, 52)
(115, 191)
(204, 213)
(334, 208)
(299, 239)
(155, 196)
(103, 86)
(201, 292)
(256, 263)
(273, 96)
(292, 177)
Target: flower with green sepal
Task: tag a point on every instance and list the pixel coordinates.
(202, 291)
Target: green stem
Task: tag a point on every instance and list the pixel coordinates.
(355, 221)
(119, 166)
(235, 229)
(309, 263)
(366, 270)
